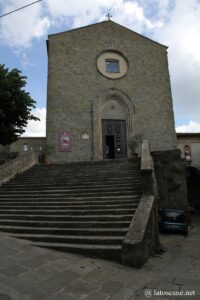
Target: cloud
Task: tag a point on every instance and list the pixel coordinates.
(192, 126)
(20, 28)
(181, 32)
(129, 13)
(175, 23)
(37, 128)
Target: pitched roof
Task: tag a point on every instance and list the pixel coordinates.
(120, 27)
(188, 134)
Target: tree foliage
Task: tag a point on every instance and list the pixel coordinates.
(15, 105)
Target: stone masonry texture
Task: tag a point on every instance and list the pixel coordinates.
(75, 84)
(170, 175)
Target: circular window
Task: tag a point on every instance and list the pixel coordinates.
(112, 64)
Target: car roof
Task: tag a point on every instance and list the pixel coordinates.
(173, 210)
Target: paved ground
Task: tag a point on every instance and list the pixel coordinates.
(28, 272)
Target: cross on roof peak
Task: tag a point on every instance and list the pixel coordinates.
(109, 16)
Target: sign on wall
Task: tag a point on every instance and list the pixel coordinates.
(65, 143)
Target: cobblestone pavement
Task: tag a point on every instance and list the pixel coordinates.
(28, 272)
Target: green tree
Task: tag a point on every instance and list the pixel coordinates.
(15, 105)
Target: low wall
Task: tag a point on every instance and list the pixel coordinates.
(18, 165)
(142, 239)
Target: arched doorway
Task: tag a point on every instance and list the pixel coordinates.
(112, 125)
(113, 122)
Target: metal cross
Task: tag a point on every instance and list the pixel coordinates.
(109, 16)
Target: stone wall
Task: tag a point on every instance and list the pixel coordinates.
(33, 144)
(193, 141)
(170, 175)
(142, 239)
(75, 85)
(18, 165)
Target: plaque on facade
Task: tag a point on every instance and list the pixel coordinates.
(65, 141)
(85, 136)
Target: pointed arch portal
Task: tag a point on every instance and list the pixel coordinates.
(112, 124)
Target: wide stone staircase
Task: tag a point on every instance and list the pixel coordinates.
(82, 208)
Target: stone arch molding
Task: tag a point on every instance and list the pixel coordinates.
(128, 108)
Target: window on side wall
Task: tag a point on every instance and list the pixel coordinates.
(25, 148)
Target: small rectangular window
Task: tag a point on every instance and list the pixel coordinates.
(25, 147)
(112, 66)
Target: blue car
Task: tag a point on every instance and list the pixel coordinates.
(172, 220)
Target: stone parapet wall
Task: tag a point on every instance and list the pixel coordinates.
(142, 239)
(18, 165)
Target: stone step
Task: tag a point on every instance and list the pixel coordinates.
(66, 212)
(50, 238)
(82, 208)
(80, 168)
(107, 163)
(18, 187)
(70, 194)
(76, 198)
(111, 252)
(69, 218)
(69, 207)
(65, 198)
(55, 202)
(56, 169)
(82, 185)
(64, 177)
(73, 184)
(82, 178)
(63, 224)
(65, 189)
(87, 176)
(79, 175)
(64, 231)
(46, 184)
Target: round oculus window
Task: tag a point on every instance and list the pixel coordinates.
(112, 64)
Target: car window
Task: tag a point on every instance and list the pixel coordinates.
(172, 216)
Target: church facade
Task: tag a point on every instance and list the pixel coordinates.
(107, 84)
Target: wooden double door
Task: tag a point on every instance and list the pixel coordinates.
(114, 139)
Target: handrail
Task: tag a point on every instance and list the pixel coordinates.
(17, 165)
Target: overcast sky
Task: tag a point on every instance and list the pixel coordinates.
(175, 23)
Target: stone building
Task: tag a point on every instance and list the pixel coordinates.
(189, 144)
(26, 144)
(106, 84)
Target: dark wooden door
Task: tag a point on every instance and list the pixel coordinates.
(114, 139)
